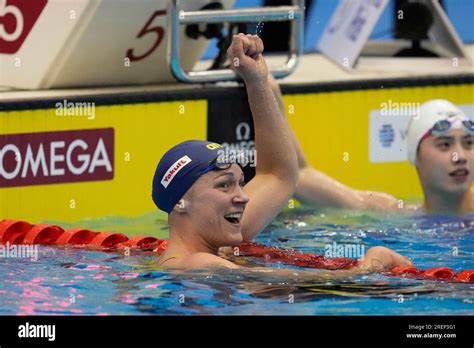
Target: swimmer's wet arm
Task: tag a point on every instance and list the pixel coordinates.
(316, 188)
(377, 259)
(319, 189)
(307, 275)
(276, 170)
(207, 261)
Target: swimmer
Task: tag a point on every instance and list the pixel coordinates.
(440, 146)
(203, 191)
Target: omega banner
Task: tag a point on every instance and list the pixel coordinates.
(56, 157)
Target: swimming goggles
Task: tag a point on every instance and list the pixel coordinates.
(445, 125)
(225, 162)
(217, 164)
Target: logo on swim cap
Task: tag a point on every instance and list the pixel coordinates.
(179, 168)
(213, 146)
(174, 169)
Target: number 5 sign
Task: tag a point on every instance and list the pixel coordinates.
(17, 18)
(78, 43)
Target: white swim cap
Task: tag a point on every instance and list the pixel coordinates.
(429, 113)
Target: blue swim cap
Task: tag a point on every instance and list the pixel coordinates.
(179, 168)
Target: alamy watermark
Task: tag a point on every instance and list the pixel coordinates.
(75, 109)
(344, 250)
(28, 330)
(246, 157)
(19, 251)
(393, 108)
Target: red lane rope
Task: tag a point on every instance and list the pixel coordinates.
(21, 232)
(275, 254)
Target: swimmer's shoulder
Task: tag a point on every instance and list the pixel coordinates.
(199, 261)
(207, 260)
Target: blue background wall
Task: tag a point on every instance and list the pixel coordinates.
(460, 12)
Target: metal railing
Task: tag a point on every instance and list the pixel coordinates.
(177, 17)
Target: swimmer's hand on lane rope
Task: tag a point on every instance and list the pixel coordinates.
(379, 259)
(245, 55)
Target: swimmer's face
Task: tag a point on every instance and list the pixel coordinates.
(445, 163)
(215, 204)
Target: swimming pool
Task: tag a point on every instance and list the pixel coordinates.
(66, 280)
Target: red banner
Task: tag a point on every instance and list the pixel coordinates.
(17, 18)
(56, 157)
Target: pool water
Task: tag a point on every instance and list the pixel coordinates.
(65, 280)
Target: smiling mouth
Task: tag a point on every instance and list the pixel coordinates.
(460, 173)
(233, 218)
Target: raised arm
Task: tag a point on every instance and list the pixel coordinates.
(276, 169)
(316, 188)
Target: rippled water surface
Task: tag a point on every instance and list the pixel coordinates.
(76, 281)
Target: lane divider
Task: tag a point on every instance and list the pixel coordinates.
(22, 232)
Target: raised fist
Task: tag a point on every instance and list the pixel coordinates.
(245, 55)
